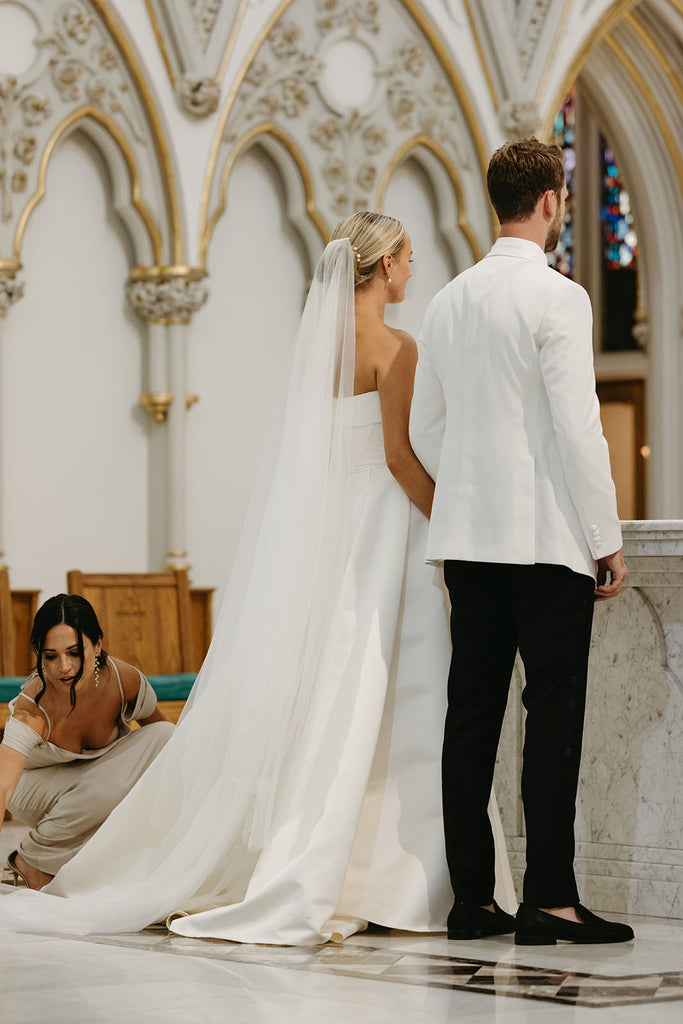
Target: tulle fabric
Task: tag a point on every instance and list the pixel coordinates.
(190, 834)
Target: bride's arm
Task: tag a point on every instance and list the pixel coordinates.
(395, 377)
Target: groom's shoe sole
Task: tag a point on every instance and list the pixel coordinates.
(536, 928)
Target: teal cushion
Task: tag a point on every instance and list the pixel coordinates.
(174, 687)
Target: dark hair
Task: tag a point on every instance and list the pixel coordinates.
(74, 611)
(518, 175)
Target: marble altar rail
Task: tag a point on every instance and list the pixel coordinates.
(630, 806)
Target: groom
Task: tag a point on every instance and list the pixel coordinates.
(506, 419)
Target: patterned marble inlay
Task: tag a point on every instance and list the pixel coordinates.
(497, 978)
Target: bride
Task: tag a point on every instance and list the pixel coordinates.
(299, 797)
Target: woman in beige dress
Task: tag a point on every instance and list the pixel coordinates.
(69, 755)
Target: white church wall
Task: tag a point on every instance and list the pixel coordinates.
(240, 351)
(75, 446)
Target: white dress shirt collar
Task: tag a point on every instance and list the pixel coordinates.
(511, 245)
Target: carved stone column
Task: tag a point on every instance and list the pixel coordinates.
(11, 290)
(166, 298)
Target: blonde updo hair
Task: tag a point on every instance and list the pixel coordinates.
(372, 235)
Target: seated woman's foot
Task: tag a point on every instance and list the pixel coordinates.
(539, 928)
(469, 921)
(24, 875)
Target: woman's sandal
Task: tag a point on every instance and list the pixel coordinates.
(18, 877)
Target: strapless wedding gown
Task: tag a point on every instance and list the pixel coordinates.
(356, 832)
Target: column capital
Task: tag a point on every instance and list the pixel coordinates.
(166, 295)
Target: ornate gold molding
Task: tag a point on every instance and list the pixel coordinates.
(191, 400)
(653, 106)
(559, 32)
(208, 223)
(85, 113)
(265, 128)
(157, 404)
(672, 77)
(597, 34)
(188, 273)
(482, 56)
(104, 9)
(427, 142)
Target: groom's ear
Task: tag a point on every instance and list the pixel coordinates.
(549, 203)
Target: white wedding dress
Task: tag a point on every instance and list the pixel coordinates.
(300, 795)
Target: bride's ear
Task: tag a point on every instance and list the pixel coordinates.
(386, 264)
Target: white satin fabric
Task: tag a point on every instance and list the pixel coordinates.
(300, 794)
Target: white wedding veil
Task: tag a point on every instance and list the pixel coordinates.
(188, 835)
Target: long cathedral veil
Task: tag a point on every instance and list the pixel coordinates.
(191, 831)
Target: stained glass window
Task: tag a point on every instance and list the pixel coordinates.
(619, 258)
(620, 241)
(563, 135)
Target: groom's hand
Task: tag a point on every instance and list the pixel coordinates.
(616, 567)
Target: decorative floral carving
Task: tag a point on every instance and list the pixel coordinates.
(284, 40)
(18, 110)
(76, 23)
(85, 73)
(531, 33)
(10, 291)
(519, 119)
(351, 14)
(198, 96)
(166, 298)
(35, 110)
(205, 13)
(412, 96)
(25, 149)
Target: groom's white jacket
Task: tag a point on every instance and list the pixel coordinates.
(506, 419)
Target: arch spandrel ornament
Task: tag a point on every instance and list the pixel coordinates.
(196, 38)
(349, 83)
(85, 75)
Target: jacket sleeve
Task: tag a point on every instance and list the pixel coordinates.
(427, 412)
(566, 359)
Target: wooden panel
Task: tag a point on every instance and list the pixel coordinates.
(201, 598)
(146, 618)
(7, 641)
(622, 406)
(24, 608)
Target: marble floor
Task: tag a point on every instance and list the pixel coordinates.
(374, 978)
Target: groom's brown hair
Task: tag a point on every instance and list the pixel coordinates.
(518, 175)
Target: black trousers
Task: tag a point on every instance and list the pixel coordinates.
(545, 612)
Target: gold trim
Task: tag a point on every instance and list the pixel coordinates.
(156, 28)
(207, 225)
(189, 273)
(427, 142)
(230, 45)
(482, 56)
(553, 52)
(10, 267)
(82, 114)
(669, 72)
(596, 35)
(103, 8)
(176, 554)
(190, 400)
(265, 128)
(652, 105)
(157, 404)
(232, 39)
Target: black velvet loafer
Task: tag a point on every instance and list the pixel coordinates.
(536, 928)
(466, 921)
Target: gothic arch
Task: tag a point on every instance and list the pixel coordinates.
(454, 227)
(284, 91)
(123, 175)
(296, 179)
(630, 75)
(86, 74)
